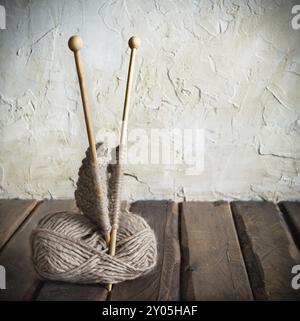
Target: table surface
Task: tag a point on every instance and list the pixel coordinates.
(206, 251)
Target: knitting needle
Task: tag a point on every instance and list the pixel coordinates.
(75, 44)
(134, 44)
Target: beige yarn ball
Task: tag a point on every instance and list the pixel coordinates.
(67, 246)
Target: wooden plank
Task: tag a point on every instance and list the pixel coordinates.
(291, 212)
(12, 214)
(60, 291)
(163, 283)
(21, 279)
(212, 262)
(268, 248)
(169, 289)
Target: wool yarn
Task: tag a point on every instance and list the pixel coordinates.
(107, 172)
(70, 247)
(89, 176)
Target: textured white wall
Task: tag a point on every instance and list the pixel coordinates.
(230, 67)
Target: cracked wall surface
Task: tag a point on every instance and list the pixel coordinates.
(230, 67)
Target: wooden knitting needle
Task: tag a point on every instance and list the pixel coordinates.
(75, 44)
(134, 44)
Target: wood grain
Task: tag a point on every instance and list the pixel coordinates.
(60, 291)
(291, 212)
(21, 279)
(269, 250)
(12, 214)
(163, 282)
(212, 263)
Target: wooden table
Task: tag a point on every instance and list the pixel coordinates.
(207, 251)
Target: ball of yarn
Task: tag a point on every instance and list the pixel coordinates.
(68, 246)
